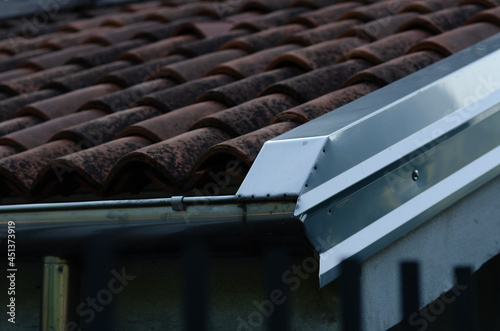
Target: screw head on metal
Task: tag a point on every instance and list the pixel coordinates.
(414, 175)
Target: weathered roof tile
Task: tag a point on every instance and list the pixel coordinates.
(252, 64)
(442, 20)
(393, 70)
(315, 83)
(388, 48)
(66, 103)
(458, 39)
(248, 116)
(38, 134)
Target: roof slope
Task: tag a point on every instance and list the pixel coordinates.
(180, 94)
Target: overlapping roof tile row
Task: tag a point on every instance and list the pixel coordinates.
(170, 92)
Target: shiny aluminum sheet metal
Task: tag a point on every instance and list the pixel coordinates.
(353, 168)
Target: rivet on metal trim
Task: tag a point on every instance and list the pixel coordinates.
(414, 175)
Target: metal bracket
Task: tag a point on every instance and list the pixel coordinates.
(178, 203)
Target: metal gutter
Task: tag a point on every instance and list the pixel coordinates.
(152, 225)
(369, 172)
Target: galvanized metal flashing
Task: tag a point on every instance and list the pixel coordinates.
(369, 172)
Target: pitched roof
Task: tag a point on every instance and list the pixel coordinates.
(176, 95)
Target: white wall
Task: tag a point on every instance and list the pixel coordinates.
(467, 233)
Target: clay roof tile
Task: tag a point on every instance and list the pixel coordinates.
(455, 40)
(393, 70)
(442, 20)
(317, 82)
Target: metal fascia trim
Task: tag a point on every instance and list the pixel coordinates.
(400, 221)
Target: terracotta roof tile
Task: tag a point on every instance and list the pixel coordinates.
(11, 105)
(315, 83)
(36, 80)
(185, 94)
(168, 14)
(164, 31)
(486, 3)
(85, 24)
(242, 119)
(121, 100)
(64, 40)
(20, 44)
(322, 33)
(91, 167)
(318, 55)
(82, 107)
(207, 45)
(458, 39)
(393, 70)
(175, 3)
(266, 5)
(246, 147)
(38, 134)
(271, 20)
(264, 39)
(57, 58)
(443, 20)
(324, 104)
(251, 64)
(242, 17)
(6, 151)
(155, 50)
(32, 162)
(173, 123)
(204, 29)
(376, 10)
(119, 20)
(116, 35)
(388, 48)
(246, 89)
(171, 161)
(428, 6)
(85, 77)
(224, 10)
(380, 28)
(18, 123)
(64, 104)
(324, 15)
(311, 3)
(106, 54)
(199, 66)
(105, 128)
(128, 75)
(11, 62)
(489, 16)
